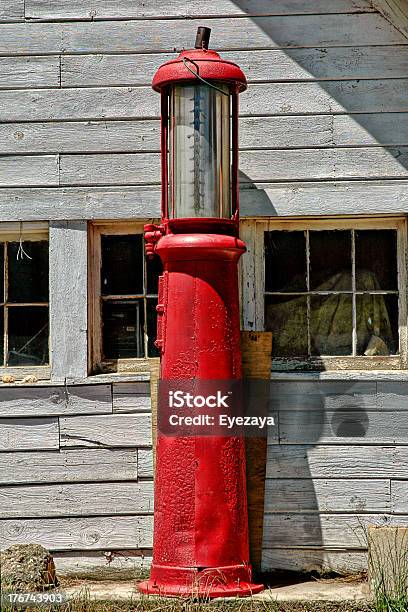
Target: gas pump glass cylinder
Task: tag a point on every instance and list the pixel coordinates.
(199, 151)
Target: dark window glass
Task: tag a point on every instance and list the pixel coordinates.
(28, 278)
(376, 260)
(330, 260)
(152, 328)
(377, 324)
(285, 261)
(286, 318)
(154, 269)
(28, 335)
(331, 324)
(123, 329)
(122, 265)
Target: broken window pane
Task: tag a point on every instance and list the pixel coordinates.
(331, 325)
(286, 318)
(123, 324)
(154, 269)
(330, 260)
(28, 335)
(122, 265)
(376, 260)
(285, 261)
(377, 325)
(152, 328)
(28, 278)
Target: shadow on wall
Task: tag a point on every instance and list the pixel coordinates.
(347, 92)
(361, 104)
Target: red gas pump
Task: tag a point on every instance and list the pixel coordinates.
(200, 519)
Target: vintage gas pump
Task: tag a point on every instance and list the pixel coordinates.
(201, 522)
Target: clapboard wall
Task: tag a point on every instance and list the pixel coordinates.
(323, 131)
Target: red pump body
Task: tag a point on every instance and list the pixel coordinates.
(200, 513)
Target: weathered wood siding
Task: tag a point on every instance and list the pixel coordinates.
(324, 131)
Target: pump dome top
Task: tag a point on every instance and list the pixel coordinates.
(202, 62)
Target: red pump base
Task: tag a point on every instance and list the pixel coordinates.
(231, 581)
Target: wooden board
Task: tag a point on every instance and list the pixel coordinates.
(29, 170)
(68, 301)
(396, 11)
(79, 465)
(154, 389)
(106, 431)
(324, 395)
(317, 560)
(11, 10)
(267, 65)
(371, 129)
(86, 136)
(348, 461)
(345, 531)
(103, 565)
(392, 395)
(145, 463)
(131, 397)
(327, 495)
(399, 495)
(80, 533)
(256, 365)
(29, 434)
(364, 96)
(76, 499)
(161, 35)
(107, 9)
(21, 72)
(53, 401)
(287, 199)
(282, 165)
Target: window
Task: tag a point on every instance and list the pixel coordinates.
(23, 295)
(124, 300)
(333, 293)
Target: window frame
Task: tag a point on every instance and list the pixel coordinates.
(253, 287)
(32, 231)
(97, 364)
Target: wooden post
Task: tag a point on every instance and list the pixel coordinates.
(256, 362)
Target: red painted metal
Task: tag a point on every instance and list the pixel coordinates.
(200, 514)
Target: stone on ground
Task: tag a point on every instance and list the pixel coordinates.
(27, 568)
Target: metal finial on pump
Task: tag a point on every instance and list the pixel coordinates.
(202, 38)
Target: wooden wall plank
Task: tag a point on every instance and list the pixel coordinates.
(86, 136)
(145, 462)
(29, 170)
(80, 533)
(327, 495)
(107, 431)
(323, 395)
(347, 426)
(53, 401)
(131, 397)
(20, 72)
(320, 560)
(260, 99)
(279, 199)
(269, 65)
(285, 461)
(103, 565)
(76, 499)
(29, 434)
(392, 395)
(399, 495)
(282, 165)
(345, 531)
(255, 132)
(68, 299)
(161, 35)
(79, 465)
(396, 11)
(11, 10)
(323, 97)
(139, 9)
